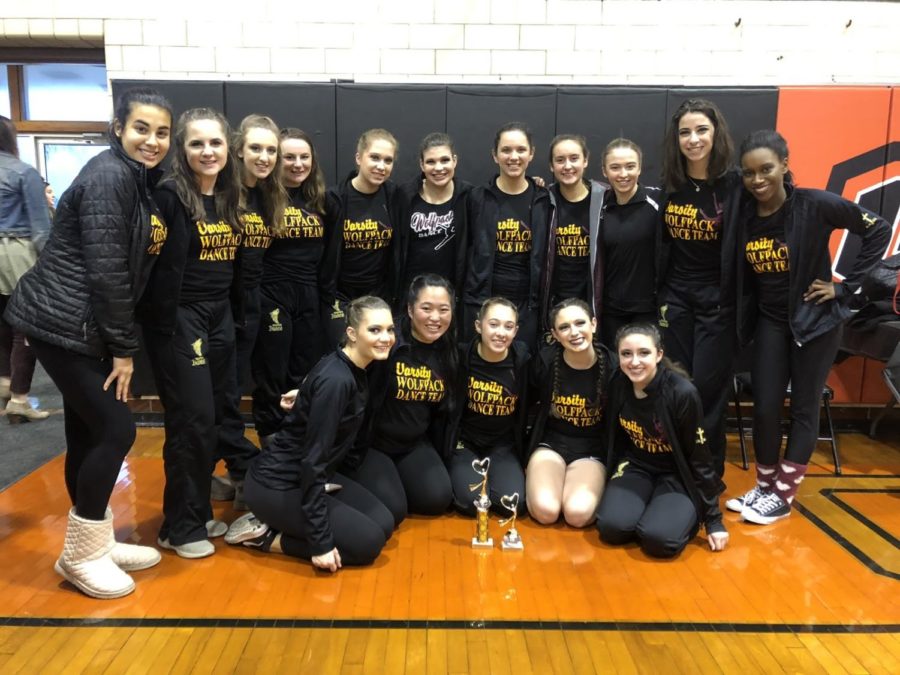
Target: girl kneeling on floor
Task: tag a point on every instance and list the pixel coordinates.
(301, 506)
(664, 483)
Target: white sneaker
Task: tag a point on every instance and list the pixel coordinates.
(738, 503)
(193, 549)
(215, 528)
(245, 528)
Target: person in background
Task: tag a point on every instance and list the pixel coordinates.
(24, 228)
(290, 339)
(77, 307)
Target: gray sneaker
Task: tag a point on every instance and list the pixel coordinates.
(245, 528)
(193, 549)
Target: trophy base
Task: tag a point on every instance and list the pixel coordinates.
(482, 544)
(515, 545)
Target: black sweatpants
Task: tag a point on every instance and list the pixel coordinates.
(505, 477)
(233, 446)
(289, 343)
(699, 334)
(778, 360)
(191, 369)
(654, 509)
(360, 524)
(99, 429)
(611, 323)
(412, 482)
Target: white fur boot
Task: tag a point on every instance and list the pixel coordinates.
(131, 557)
(86, 562)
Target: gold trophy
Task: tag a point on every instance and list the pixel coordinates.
(511, 540)
(482, 538)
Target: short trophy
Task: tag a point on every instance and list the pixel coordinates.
(482, 538)
(511, 540)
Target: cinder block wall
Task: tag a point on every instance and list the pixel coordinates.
(690, 42)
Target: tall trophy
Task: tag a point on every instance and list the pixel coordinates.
(482, 538)
(511, 540)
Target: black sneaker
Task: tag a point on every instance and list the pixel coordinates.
(766, 509)
(740, 503)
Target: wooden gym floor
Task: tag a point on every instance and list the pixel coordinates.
(817, 592)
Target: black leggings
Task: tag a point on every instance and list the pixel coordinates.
(191, 369)
(413, 482)
(505, 477)
(99, 429)
(288, 345)
(699, 334)
(360, 524)
(654, 509)
(778, 360)
(234, 447)
(16, 357)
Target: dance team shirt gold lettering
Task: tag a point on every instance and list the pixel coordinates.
(218, 242)
(513, 236)
(158, 234)
(487, 397)
(418, 384)
(256, 234)
(652, 443)
(300, 224)
(767, 255)
(572, 241)
(576, 410)
(366, 235)
(689, 223)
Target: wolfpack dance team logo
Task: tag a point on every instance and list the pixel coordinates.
(158, 233)
(575, 410)
(572, 241)
(418, 383)
(275, 325)
(490, 398)
(689, 223)
(199, 359)
(652, 443)
(368, 235)
(513, 236)
(256, 234)
(767, 255)
(431, 224)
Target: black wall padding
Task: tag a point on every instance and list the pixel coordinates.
(474, 113)
(409, 112)
(309, 106)
(604, 113)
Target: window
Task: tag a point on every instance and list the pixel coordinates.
(56, 91)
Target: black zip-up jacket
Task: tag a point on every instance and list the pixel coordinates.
(484, 212)
(313, 440)
(402, 206)
(336, 199)
(541, 387)
(158, 307)
(809, 219)
(730, 188)
(521, 357)
(81, 294)
(677, 406)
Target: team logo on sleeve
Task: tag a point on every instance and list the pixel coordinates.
(701, 438)
(275, 325)
(663, 322)
(199, 359)
(337, 312)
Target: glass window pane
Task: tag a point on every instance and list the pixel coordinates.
(4, 92)
(64, 157)
(55, 91)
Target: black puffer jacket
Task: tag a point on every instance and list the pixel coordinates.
(82, 292)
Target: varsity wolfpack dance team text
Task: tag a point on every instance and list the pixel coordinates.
(397, 333)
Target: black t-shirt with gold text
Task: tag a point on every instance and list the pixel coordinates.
(415, 389)
(571, 267)
(210, 261)
(766, 253)
(512, 258)
(693, 220)
(158, 230)
(576, 410)
(255, 240)
(367, 239)
(492, 395)
(646, 444)
(297, 248)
